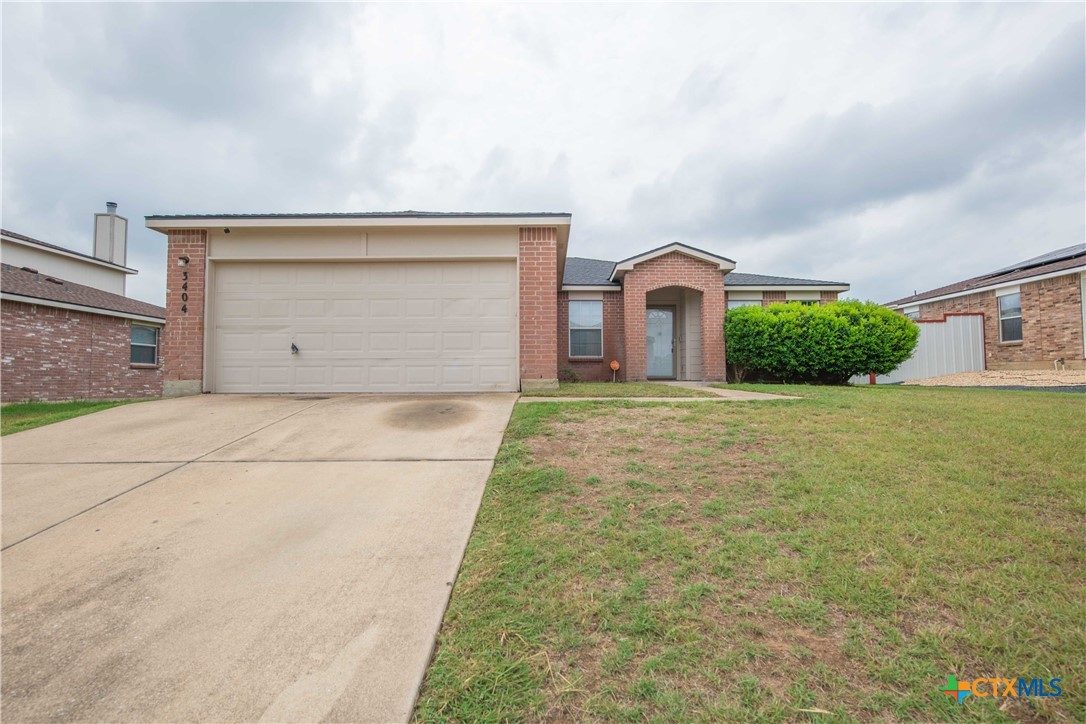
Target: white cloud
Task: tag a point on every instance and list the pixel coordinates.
(891, 146)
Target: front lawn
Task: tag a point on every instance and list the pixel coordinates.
(619, 389)
(27, 415)
(834, 557)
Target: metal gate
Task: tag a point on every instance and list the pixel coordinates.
(947, 346)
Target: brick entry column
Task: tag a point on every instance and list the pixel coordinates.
(676, 270)
(183, 338)
(538, 268)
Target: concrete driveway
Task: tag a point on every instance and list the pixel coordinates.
(237, 558)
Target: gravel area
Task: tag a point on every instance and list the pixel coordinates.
(1015, 379)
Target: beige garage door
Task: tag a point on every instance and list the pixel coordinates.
(364, 327)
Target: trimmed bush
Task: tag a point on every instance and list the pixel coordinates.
(825, 344)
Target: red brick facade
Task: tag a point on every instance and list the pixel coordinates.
(1051, 323)
(543, 313)
(61, 354)
(675, 269)
(538, 274)
(183, 341)
(614, 340)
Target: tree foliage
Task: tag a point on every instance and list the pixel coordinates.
(826, 344)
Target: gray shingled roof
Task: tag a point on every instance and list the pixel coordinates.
(588, 272)
(368, 214)
(739, 279)
(19, 281)
(47, 245)
(597, 272)
(1070, 257)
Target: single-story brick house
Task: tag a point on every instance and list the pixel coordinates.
(67, 332)
(436, 302)
(1034, 311)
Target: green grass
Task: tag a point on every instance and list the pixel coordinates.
(619, 389)
(750, 561)
(28, 415)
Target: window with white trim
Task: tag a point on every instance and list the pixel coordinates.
(1010, 318)
(735, 303)
(585, 329)
(144, 345)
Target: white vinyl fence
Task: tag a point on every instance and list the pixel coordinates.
(955, 344)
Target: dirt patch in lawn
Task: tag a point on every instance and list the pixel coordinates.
(654, 451)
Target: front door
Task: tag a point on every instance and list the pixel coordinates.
(660, 342)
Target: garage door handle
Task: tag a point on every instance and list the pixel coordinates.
(293, 348)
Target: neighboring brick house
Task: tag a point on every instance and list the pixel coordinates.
(436, 302)
(1034, 311)
(67, 331)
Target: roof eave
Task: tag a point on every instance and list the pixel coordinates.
(104, 311)
(165, 223)
(925, 299)
(32, 244)
(789, 287)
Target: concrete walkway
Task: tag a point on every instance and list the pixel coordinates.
(237, 558)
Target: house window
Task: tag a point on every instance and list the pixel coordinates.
(586, 329)
(144, 345)
(733, 304)
(1010, 318)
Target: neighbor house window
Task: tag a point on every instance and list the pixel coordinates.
(733, 304)
(144, 345)
(1010, 318)
(586, 329)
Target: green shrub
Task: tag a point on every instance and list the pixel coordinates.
(826, 344)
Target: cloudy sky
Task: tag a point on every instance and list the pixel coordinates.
(895, 147)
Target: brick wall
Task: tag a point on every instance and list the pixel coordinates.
(183, 339)
(826, 297)
(538, 307)
(773, 297)
(614, 340)
(61, 354)
(675, 270)
(1051, 323)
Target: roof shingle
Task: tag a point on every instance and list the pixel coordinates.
(1069, 257)
(15, 280)
(588, 272)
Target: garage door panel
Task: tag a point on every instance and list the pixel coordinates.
(412, 326)
(384, 308)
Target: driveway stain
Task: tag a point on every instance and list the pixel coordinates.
(430, 415)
